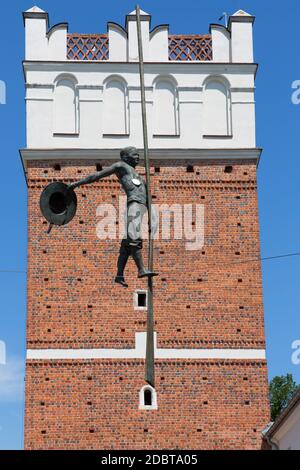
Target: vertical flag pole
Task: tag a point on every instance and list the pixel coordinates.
(149, 365)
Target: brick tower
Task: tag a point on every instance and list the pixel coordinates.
(85, 385)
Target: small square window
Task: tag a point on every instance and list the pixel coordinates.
(140, 300)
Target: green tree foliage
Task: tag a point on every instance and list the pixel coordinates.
(281, 388)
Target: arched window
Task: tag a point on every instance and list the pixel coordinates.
(165, 108)
(148, 398)
(65, 106)
(115, 107)
(217, 108)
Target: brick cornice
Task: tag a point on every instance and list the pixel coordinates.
(232, 154)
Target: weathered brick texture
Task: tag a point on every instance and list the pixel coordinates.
(209, 298)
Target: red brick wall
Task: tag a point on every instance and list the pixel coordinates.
(210, 298)
(201, 405)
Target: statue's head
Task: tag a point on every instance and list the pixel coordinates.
(130, 155)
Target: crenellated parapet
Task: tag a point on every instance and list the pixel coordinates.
(231, 44)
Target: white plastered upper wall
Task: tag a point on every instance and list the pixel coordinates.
(232, 63)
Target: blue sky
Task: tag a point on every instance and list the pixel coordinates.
(276, 50)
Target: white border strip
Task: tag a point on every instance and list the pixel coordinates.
(154, 153)
(139, 352)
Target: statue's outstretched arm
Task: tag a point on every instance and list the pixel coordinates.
(113, 169)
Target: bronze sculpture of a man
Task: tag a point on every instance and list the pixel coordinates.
(135, 189)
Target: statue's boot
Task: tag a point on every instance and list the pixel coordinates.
(122, 261)
(136, 253)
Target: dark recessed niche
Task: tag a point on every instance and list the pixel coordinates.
(202, 197)
(83, 195)
(123, 330)
(46, 279)
(188, 306)
(245, 378)
(47, 379)
(43, 432)
(145, 430)
(90, 378)
(45, 252)
(205, 403)
(239, 224)
(247, 402)
(89, 403)
(79, 171)
(199, 430)
(245, 173)
(92, 330)
(49, 330)
(190, 169)
(113, 196)
(45, 172)
(204, 378)
(241, 307)
(84, 252)
(157, 169)
(147, 397)
(90, 306)
(178, 330)
(199, 280)
(161, 252)
(48, 306)
(142, 299)
(162, 378)
(237, 253)
(81, 222)
(238, 330)
(42, 403)
(164, 279)
(56, 167)
(92, 431)
(99, 167)
(240, 280)
(203, 252)
(121, 378)
(238, 197)
(228, 169)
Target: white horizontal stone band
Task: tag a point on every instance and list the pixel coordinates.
(161, 153)
(139, 352)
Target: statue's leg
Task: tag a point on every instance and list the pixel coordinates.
(122, 261)
(134, 232)
(136, 253)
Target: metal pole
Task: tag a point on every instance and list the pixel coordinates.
(149, 365)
